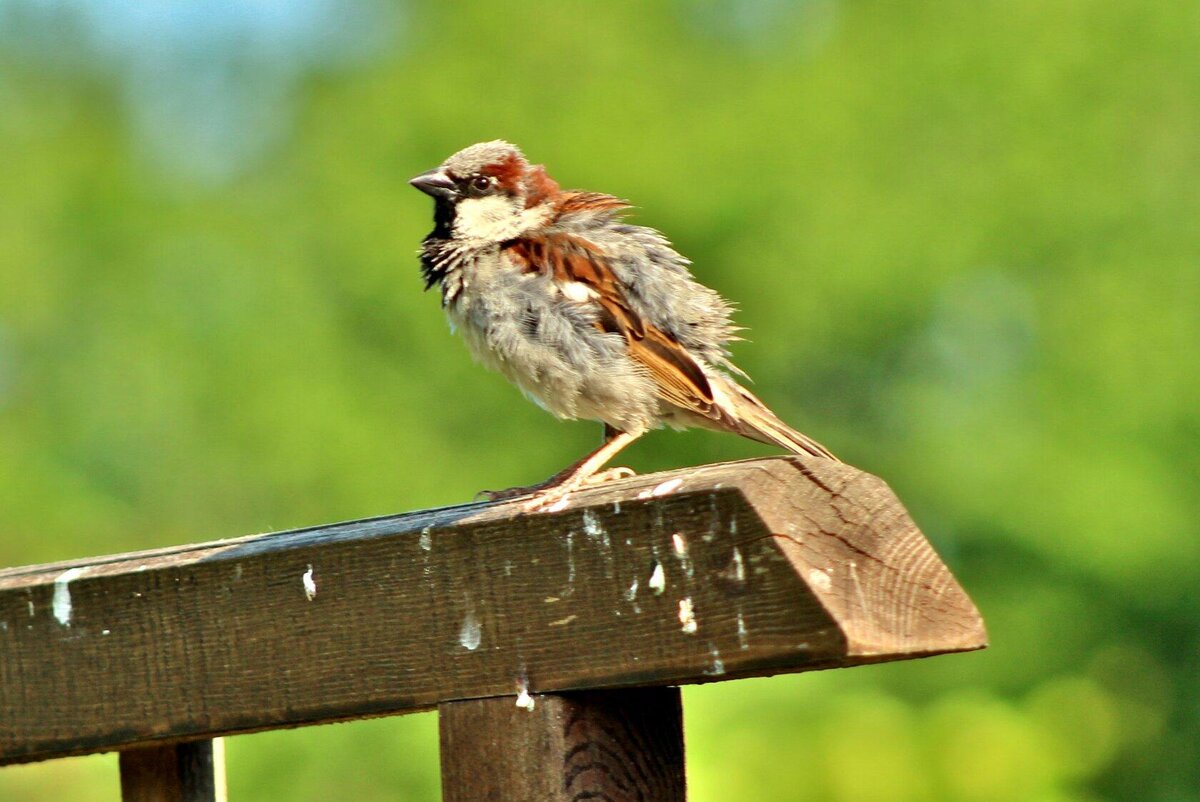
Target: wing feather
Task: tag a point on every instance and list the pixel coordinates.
(566, 258)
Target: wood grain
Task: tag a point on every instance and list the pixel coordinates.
(617, 745)
(184, 772)
(708, 573)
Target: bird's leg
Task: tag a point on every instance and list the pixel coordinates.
(610, 474)
(573, 477)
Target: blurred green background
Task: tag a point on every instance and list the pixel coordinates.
(964, 237)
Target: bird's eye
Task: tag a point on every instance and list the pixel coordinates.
(481, 183)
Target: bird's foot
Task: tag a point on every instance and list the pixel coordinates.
(555, 497)
(610, 475)
(509, 493)
(553, 494)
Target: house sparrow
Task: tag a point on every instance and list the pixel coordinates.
(589, 316)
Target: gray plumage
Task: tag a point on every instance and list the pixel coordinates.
(590, 316)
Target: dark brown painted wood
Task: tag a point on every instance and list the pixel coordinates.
(707, 573)
(173, 773)
(618, 745)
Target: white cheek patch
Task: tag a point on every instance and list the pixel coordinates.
(492, 218)
(578, 291)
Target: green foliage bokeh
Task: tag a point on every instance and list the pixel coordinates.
(963, 239)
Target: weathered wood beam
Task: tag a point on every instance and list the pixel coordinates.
(707, 573)
(618, 745)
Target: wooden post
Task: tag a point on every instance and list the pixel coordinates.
(699, 575)
(187, 772)
(618, 745)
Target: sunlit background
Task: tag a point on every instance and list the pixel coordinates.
(964, 237)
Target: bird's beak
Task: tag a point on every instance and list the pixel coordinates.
(436, 183)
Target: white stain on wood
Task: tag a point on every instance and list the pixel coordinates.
(470, 634)
(60, 604)
(738, 566)
(310, 584)
(595, 530)
(820, 579)
(570, 588)
(524, 700)
(658, 579)
(718, 665)
(669, 486)
(687, 616)
(631, 595)
(858, 588)
(681, 551)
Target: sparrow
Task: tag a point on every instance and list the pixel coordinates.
(590, 316)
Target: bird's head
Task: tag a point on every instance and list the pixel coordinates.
(488, 193)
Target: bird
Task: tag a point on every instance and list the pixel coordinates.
(590, 316)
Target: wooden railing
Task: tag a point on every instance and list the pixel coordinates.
(550, 643)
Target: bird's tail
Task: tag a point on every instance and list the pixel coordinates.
(751, 418)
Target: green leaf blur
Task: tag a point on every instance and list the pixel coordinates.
(963, 237)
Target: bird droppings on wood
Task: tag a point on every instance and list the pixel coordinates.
(570, 588)
(616, 508)
(106, 632)
(718, 665)
(401, 611)
(658, 579)
(60, 603)
(820, 579)
(426, 540)
(681, 551)
(470, 635)
(594, 530)
(714, 520)
(858, 589)
(310, 584)
(524, 700)
(631, 595)
(735, 571)
(562, 622)
(669, 486)
(687, 616)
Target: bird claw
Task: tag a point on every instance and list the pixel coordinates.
(553, 498)
(501, 495)
(611, 475)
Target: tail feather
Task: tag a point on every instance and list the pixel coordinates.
(751, 418)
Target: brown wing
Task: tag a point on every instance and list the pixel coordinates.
(567, 258)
